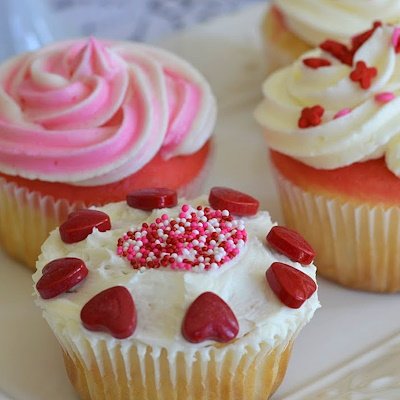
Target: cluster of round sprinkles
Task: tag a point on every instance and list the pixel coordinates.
(198, 239)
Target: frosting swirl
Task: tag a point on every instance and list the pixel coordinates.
(358, 123)
(316, 20)
(91, 112)
(163, 295)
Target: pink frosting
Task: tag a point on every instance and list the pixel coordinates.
(90, 112)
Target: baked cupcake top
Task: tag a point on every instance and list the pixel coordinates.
(173, 263)
(338, 104)
(315, 20)
(90, 112)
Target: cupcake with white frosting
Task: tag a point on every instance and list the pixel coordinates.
(331, 120)
(84, 122)
(199, 300)
(291, 28)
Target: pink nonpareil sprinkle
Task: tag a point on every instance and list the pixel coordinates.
(198, 238)
(395, 38)
(342, 113)
(385, 97)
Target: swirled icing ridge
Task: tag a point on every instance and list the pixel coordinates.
(89, 112)
(358, 123)
(316, 20)
(162, 295)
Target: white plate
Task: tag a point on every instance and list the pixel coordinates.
(348, 325)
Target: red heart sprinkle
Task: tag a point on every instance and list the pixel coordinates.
(291, 244)
(79, 225)
(112, 310)
(60, 275)
(358, 40)
(209, 318)
(338, 50)
(152, 198)
(238, 203)
(290, 285)
(315, 62)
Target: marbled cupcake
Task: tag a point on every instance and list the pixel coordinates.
(84, 122)
(331, 120)
(192, 301)
(291, 28)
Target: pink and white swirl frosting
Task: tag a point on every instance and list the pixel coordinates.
(91, 112)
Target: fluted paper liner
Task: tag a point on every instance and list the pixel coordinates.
(101, 367)
(357, 244)
(26, 218)
(124, 371)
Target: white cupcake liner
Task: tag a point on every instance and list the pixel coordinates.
(101, 367)
(357, 244)
(26, 218)
(125, 370)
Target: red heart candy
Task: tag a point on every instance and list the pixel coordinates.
(112, 310)
(79, 225)
(291, 244)
(209, 318)
(152, 198)
(290, 285)
(316, 62)
(223, 198)
(60, 275)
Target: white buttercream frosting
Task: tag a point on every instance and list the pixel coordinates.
(316, 20)
(371, 129)
(162, 296)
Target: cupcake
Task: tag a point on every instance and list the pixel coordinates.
(291, 28)
(331, 121)
(84, 122)
(196, 300)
